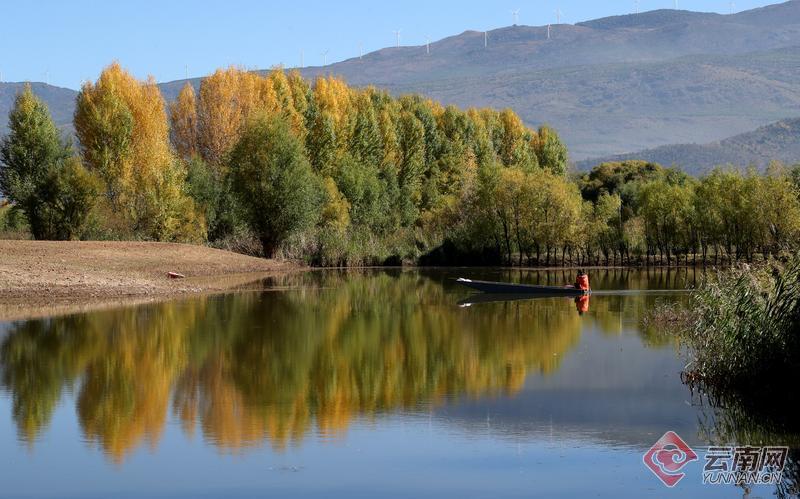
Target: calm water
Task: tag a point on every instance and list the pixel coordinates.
(357, 384)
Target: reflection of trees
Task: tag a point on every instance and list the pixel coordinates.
(257, 367)
(763, 419)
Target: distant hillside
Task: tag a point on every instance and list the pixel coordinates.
(610, 85)
(60, 100)
(777, 141)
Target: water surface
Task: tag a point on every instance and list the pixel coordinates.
(354, 384)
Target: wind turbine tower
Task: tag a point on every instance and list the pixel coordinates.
(548, 31)
(733, 7)
(636, 3)
(428, 45)
(360, 50)
(485, 39)
(515, 13)
(558, 16)
(397, 38)
(325, 58)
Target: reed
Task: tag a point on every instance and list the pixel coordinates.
(741, 326)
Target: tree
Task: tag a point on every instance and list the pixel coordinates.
(513, 142)
(65, 201)
(124, 135)
(365, 143)
(360, 183)
(550, 151)
(183, 117)
(411, 135)
(54, 192)
(30, 150)
(274, 182)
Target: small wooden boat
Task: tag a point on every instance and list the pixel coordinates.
(521, 289)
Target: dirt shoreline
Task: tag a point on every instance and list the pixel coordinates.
(44, 278)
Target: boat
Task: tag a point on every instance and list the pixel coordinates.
(522, 289)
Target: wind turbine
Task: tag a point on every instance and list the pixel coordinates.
(360, 50)
(676, 4)
(325, 58)
(558, 16)
(397, 35)
(733, 7)
(515, 13)
(485, 39)
(636, 2)
(548, 31)
(186, 71)
(428, 44)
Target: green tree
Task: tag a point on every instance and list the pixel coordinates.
(411, 134)
(550, 151)
(274, 182)
(65, 201)
(54, 190)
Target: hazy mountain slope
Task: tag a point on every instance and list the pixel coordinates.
(777, 141)
(651, 36)
(623, 107)
(610, 85)
(60, 100)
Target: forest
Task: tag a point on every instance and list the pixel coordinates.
(333, 175)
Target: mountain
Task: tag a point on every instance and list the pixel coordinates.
(61, 102)
(776, 141)
(610, 85)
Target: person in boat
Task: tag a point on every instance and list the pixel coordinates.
(582, 281)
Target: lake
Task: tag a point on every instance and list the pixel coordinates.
(389, 383)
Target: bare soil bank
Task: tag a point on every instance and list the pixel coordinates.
(40, 278)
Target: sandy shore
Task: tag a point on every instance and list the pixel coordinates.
(39, 278)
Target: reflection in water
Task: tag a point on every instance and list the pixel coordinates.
(763, 419)
(261, 366)
(582, 304)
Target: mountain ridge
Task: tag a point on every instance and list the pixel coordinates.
(609, 85)
(777, 141)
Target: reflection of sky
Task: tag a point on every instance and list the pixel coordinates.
(609, 389)
(394, 456)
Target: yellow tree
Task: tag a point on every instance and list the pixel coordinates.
(228, 98)
(514, 146)
(122, 127)
(183, 116)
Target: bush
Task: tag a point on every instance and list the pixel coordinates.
(12, 222)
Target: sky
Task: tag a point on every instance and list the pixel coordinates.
(67, 42)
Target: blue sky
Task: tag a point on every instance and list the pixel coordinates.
(68, 42)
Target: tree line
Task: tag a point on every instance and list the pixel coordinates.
(335, 175)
